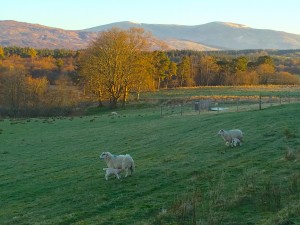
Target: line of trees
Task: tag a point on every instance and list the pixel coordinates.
(36, 85)
(27, 52)
(211, 71)
(123, 62)
(21, 95)
(120, 61)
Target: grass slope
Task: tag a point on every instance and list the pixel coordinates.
(51, 173)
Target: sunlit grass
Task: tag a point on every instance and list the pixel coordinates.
(275, 90)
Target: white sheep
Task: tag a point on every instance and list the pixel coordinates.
(123, 162)
(111, 171)
(229, 135)
(235, 142)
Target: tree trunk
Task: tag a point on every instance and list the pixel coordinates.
(138, 93)
(100, 104)
(158, 85)
(113, 102)
(125, 95)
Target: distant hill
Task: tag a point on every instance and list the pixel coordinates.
(210, 36)
(219, 35)
(13, 33)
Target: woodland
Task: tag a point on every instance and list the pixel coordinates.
(46, 82)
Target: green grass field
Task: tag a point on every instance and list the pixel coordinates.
(267, 90)
(51, 172)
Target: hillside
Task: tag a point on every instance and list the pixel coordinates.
(20, 34)
(210, 36)
(220, 35)
(184, 172)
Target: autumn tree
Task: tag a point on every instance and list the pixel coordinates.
(161, 64)
(143, 81)
(184, 71)
(1, 53)
(224, 72)
(265, 72)
(13, 84)
(59, 63)
(35, 92)
(171, 73)
(115, 62)
(240, 64)
(63, 97)
(239, 68)
(93, 82)
(286, 78)
(265, 60)
(208, 69)
(32, 53)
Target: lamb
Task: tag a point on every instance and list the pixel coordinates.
(235, 142)
(229, 135)
(111, 171)
(122, 162)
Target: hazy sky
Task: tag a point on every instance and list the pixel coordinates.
(281, 15)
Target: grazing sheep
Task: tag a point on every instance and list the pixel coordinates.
(111, 171)
(229, 135)
(235, 142)
(123, 162)
(113, 113)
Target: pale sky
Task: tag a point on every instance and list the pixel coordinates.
(280, 15)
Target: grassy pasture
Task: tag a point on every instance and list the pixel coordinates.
(274, 90)
(51, 174)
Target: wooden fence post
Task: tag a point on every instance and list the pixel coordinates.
(259, 102)
(280, 100)
(181, 110)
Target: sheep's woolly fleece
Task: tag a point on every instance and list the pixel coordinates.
(229, 135)
(123, 162)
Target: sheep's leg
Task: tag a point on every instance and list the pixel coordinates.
(106, 177)
(126, 172)
(117, 175)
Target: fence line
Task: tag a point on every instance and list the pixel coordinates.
(218, 105)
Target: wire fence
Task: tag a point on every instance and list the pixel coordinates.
(225, 104)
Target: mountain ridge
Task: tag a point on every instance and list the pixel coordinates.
(204, 37)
